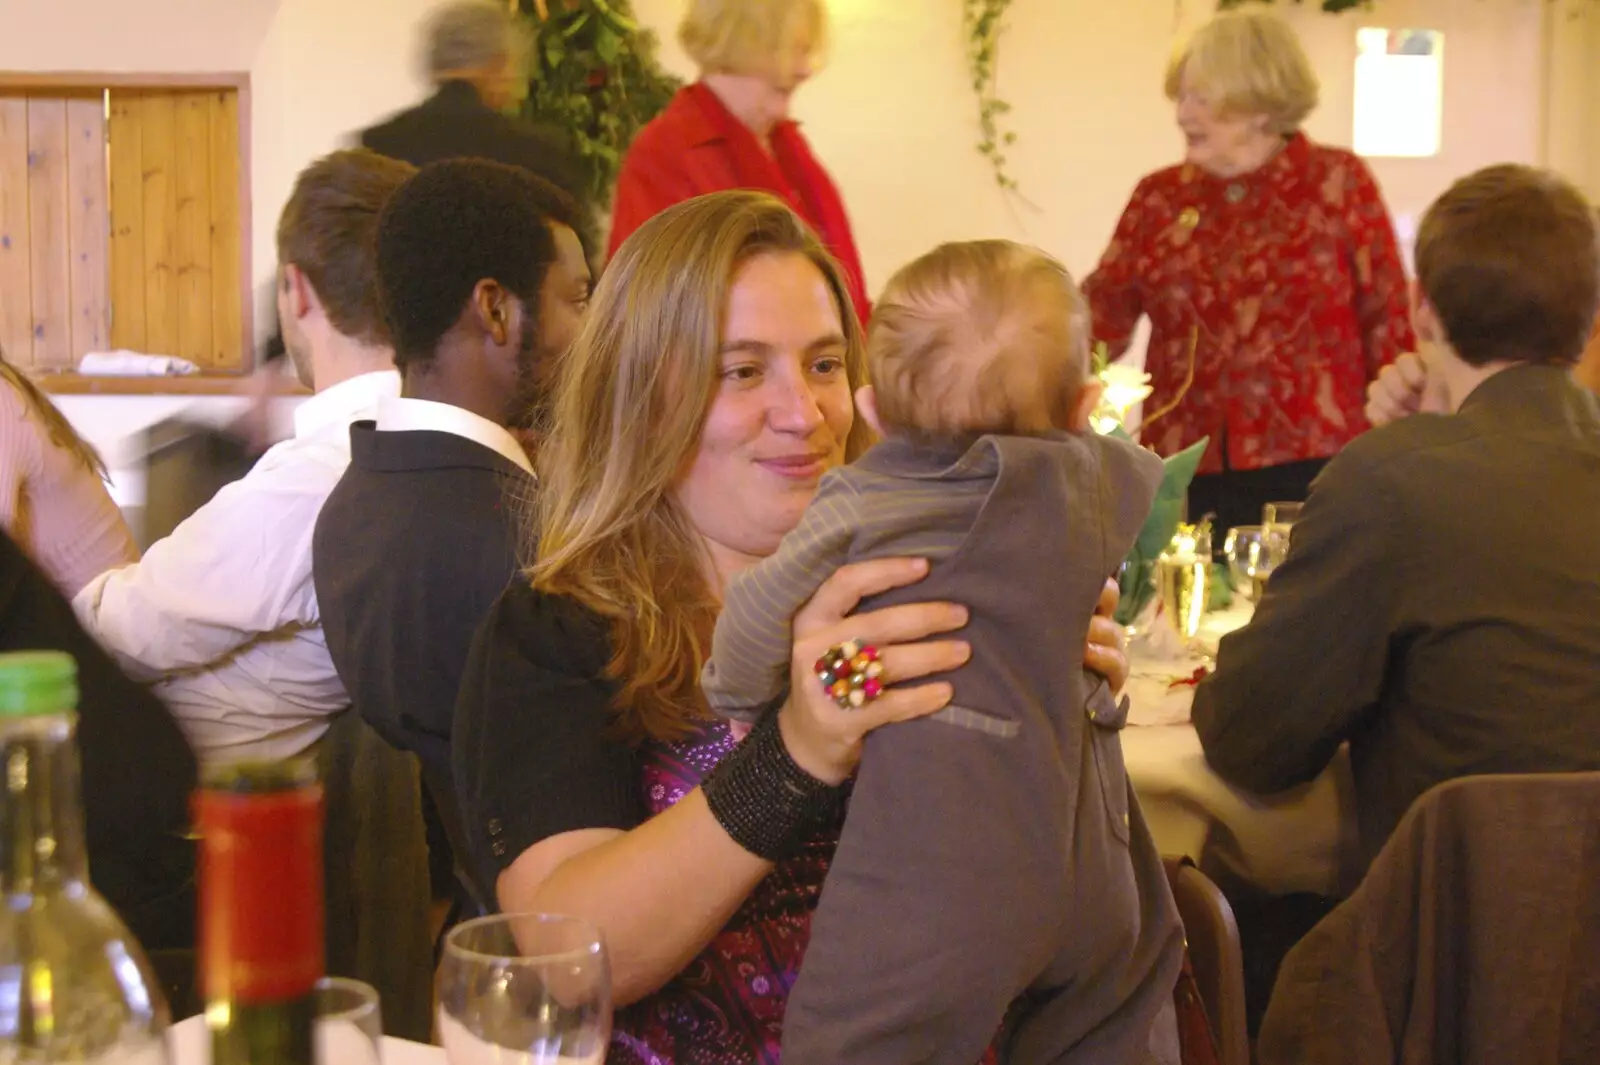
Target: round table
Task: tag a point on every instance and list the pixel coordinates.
(1300, 841)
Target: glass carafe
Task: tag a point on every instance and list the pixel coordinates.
(74, 984)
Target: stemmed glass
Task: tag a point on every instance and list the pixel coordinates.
(525, 989)
(1251, 558)
(349, 1022)
(1280, 514)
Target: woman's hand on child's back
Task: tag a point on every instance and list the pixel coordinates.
(1107, 653)
(825, 740)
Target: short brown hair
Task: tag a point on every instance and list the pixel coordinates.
(328, 230)
(1509, 259)
(984, 336)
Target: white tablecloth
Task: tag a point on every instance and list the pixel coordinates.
(187, 1042)
(1301, 840)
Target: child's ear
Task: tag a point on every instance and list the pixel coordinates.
(1084, 405)
(867, 407)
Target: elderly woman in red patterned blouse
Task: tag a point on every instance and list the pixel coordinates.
(1269, 269)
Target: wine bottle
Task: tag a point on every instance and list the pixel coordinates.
(74, 984)
(261, 945)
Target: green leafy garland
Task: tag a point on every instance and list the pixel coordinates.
(593, 73)
(984, 21)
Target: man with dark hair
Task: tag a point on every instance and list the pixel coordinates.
(484, 283)
(1438, 606)
(221, 615)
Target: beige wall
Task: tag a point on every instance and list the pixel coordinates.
(132, 35)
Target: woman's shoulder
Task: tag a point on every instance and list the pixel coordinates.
(1335, 169)
(679, 126)
(547, 631)
(1167, 179)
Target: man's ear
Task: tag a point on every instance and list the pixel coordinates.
(491, 306)
(1082, 407)
(1424, 319)
(298, 297)
(867, 407)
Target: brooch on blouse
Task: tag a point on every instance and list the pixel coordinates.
(1189, 218)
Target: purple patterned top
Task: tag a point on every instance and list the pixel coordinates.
(726, 1007)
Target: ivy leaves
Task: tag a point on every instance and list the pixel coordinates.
(594, 75)
(984, 21)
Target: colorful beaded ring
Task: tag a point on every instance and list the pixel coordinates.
(851, 674)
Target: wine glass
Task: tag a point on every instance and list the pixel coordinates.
(349, 1022)
(1280, 513)
(1250, 558)
(525, 989)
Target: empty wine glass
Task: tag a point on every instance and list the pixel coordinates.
(525, 989)
(349, 1022)
(1250, 558)
(1280, 514)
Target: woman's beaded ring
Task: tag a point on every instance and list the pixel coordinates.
(851, 674)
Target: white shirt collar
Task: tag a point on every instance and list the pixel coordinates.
(344, 402)
(397, 414)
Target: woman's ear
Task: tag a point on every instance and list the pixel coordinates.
(867, 407)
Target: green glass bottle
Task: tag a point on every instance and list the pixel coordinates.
(261, 920)
(74, 984)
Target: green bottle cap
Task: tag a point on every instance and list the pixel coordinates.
(37, 682)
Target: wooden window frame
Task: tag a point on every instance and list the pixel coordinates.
(206, 383)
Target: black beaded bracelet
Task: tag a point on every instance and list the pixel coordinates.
(763, 799)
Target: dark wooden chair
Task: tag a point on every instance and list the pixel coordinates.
(1212, 938)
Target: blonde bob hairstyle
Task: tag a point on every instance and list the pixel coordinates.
(1248, 63)
(629, 404)
(755, 37)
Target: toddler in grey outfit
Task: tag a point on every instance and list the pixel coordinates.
(994, 871)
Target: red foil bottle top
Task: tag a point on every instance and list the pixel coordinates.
(261, 893)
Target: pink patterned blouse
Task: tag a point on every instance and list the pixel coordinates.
(53, 505)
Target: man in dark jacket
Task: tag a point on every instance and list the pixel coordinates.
(476, 54)
(484, 282)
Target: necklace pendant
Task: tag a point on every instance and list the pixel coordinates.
(1235, 193)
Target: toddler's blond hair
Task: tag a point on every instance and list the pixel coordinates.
(983, 336)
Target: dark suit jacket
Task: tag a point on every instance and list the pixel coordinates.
(411, 550)
(137, 769)
(454, 123)
(1439, 609)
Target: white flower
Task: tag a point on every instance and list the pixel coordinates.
(1125, 388)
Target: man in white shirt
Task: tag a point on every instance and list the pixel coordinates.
(221, 616)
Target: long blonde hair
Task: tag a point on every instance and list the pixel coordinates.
(56, 426)
(631, 399)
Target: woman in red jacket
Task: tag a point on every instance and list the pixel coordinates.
(732, 130)
(1269, 270)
